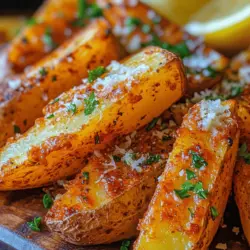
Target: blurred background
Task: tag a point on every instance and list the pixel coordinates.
(224, 24)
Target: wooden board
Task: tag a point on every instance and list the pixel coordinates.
(16, 208)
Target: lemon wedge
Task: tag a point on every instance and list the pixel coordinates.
(225, 25)
(177, 11)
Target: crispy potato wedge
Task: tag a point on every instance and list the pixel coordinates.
(23, 98)
(242, 192)
(112, 192)
(127, 97)
(192, 194)
(55, 22)
(136, 25)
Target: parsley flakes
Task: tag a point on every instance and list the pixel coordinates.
(90, 104)
(152, 159)
(125, 245)
(17, 130)
(214, 213)
(47, 201)
(243, 152)
(47, 38)
(152, 124)
(197, 160)
(190, 174)
(95, 73)
(72, 108)
(35, 224)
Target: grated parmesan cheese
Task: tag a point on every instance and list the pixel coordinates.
(212, 113)
(244, 73)
(134, 164)
(134, 44)
(14, 83)
(120, 73)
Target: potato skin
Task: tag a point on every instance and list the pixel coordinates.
(201, 59)
(159, 229)
(116, 195)
(64, 68)
(55, 148)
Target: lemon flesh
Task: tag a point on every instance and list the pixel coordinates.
(225, 25)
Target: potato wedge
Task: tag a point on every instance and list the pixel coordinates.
(23, 98)
(192, 194)
(136, 25)
(112, 192)
(55, 22)
(242, 192)
(126, 98)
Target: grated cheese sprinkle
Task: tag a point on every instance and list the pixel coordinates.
(212, 113)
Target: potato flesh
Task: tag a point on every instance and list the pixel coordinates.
(54, 143)
(64, 68)
(159, 228)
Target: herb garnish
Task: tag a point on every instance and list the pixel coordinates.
(35, 224)
(95, 73)
(132, 21)
(43, 71)
(55, 100)
(85, 176)
(191, 212)
(190, 174)
(152, 159)
(211, 72)
(90, 104)
(236, 90)
(197, 160)
(243, 152)
(47, 38)
(47, 201)
(214, 213)
(152, 124)
(17, 130)
(198, 189)
(72, 108)
(31, 21)
(50, 116)
(116, 158)
(125, 245)
(53, 78)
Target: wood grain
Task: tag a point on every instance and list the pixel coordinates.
(16, 208)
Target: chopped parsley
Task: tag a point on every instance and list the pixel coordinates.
(152, 124)
(190, 174)
(85, 176)
(72, 108)
(53, 78)
(125, 245)
(191, 212)
(50, 116)
(198, 189)
(35, 224)
(90, 104)
(116, 158)
(43, 72)
(214, 213)
(95, 73)
(146, 28)
(17, 130)
(86, 11)
(55, 100)
(236, 90)
(210, 72)
(132, 21)
(166, 137)
(243, 152)
(47, 38)
(180, 49)
(152, 159)
(47, 201)
(31, 21)
(97, 139)
(187, 186)
(197, 160)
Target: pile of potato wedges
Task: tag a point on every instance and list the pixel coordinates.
(148, 121)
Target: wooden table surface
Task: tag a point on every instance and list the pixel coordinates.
(16, 208)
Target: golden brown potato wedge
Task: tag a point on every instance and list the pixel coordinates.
(136, 25)
(192, 194)
(242, 188)
(23, 98)
(52, 24)
(106, 200)
(127, 97)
